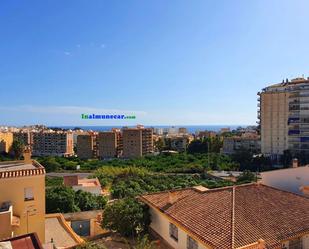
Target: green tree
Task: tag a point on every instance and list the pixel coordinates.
(286, 158)
(91, 245)
(198, 146)
(87, 201)
(145, 243)
(246, 177)
(50, 164)
(60, 199)
(18, 148)
(159, 144)
(126, 216)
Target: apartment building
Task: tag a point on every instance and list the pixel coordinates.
(137, 142)
(235, 143)
(6, 141)
(249, 216)
(109, 144)
(52, 143)
(86, 146)
(22, 198)
(25, 136)
(284, 117)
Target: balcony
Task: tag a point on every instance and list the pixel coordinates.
(293, 132)
(8, 220)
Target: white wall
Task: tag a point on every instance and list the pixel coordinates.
(290, 179)
(305, 241)
(160, 224)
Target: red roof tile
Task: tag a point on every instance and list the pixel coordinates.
(232, 217)
(26, 241)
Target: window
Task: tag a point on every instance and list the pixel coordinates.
(173, 232)
(295, 244)
(28, 194)
(191, 243)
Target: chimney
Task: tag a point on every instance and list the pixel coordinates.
(27, 155)
(261, 244)
(70, 181)
(295, 163)
(172, 197)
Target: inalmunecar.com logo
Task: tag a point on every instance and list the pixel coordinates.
(107, 116)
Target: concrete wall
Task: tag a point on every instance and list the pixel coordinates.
(31, 212)
(274, 126)
(132, 143)
(6, 221)
(84, 146)
(160, 224)
(304, 241)
(6, 140)
(107, 144)
(290, 179)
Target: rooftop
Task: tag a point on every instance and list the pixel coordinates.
(60, 232)
(94, 182)
(236, 216)
(288, 83)
(20, 168)
(29, 241)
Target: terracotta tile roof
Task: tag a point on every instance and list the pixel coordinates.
(26, 241)
(232, 217)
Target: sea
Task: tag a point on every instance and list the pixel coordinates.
(190, 128)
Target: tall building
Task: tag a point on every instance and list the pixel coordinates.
(109, 144)
(22, 198)
(284, 117)
(85, 146)
(52, 143)
(25, 136)
(6, 140)
(137, 142)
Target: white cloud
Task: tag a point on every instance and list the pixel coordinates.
(103, 45)
(69, 110)
(67, 53)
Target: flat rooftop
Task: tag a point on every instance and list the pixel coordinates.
(62, 234)
(12, 166)
(9, 169)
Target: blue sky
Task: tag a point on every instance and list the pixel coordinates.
(167, 62)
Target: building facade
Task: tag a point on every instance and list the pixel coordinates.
(24, 136)
(52, 143)
(284, 117)
(22, 198)
(137, 142)
(108, 144)
(235, 143)
(6, 141)
(85, 146)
